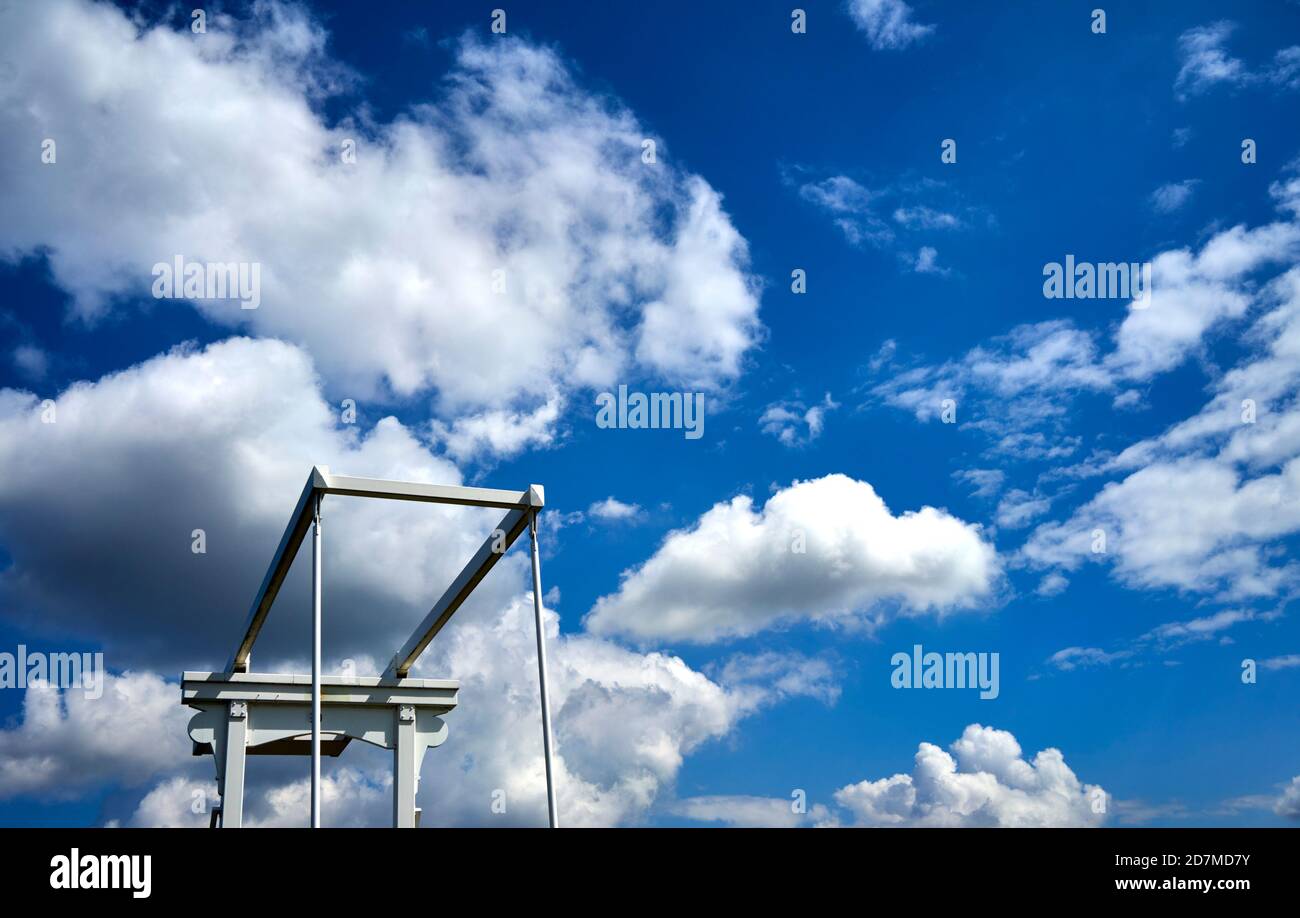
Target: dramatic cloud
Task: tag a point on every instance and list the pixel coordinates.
(983, 782)
(497, 248)
(219, 440)
(888, 24)
(826, 550)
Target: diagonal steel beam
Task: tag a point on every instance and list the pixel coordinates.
(498, 541)
(290, 542)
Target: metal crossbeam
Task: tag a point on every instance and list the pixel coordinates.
(500, 539)
(321, 482)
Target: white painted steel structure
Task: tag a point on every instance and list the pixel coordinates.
(244, 713)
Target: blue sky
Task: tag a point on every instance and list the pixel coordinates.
(819, 151)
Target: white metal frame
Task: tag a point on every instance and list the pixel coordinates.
(245, 713)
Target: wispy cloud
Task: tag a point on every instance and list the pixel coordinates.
(888, 24)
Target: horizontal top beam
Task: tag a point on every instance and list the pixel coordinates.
(198, 688)
(436, 494)
(321, 482)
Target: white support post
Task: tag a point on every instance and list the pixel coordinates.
(404, 769)
(541, 673)
(315, 665)
(232, 771)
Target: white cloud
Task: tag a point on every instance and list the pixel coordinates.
(1204, 60)
(624, 724)
(927, 261)
(1172, 196)
(749, 811)
(983, 782)
(1075, 657)
(795, 424)
(68, 742)
(888, 24)
(31, 361)
(384, 267)
(613, 510)
(987, 482)
(1020, 508)
(1157, 537)
(1288, 804)
(1053, 584)
(499, 432)
(851, 206)
(738, 570)
(1289, 661)
(1206, 63)
(1017, 388)
(922, 217)
(222, 439)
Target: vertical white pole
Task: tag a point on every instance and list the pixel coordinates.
(315, 666)
(541, 673)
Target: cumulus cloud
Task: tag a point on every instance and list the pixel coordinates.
(219, 440)
(624, 722)
(1156, 537)
(888, 24)
(67, 742)
(827, 550)
(515, 202)
(613, 510)
(982, 781)
(222, 439)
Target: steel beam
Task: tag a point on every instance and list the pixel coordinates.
(281, 561)
(315, 665)
(322, 482)
(501, 538)
(547, 746)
